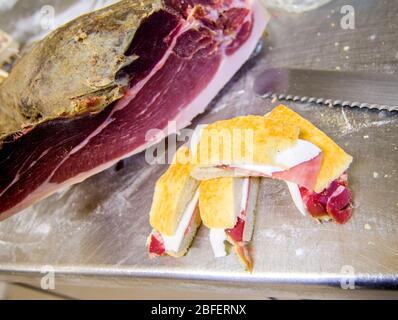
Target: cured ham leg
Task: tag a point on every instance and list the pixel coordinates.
(59, 126)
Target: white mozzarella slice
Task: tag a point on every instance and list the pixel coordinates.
(173, 243)
(296, 196)
(245, 194)
(301, 152)
(217, 238)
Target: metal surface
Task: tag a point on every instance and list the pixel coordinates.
(96, 231)
(347, 89)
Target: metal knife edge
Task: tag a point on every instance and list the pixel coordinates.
(328, 102)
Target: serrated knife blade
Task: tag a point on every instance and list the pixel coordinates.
(337, 88)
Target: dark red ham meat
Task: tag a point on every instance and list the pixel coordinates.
(156, 246)
(335, 201)
(304, 174)
(236, 233)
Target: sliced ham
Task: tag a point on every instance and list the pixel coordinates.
(304, 174)
(236, 233)
(335, 201)
(185, 55)
(156, 246)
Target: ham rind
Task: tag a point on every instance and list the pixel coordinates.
(185, 58)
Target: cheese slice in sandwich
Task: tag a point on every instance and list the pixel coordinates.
(227, 207)
(174, 214)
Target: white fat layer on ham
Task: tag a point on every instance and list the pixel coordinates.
(218, 236)
(296, 197)
(173, 243)
(229, 66)
(217, 241)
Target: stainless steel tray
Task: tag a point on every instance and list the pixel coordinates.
(95, 232)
